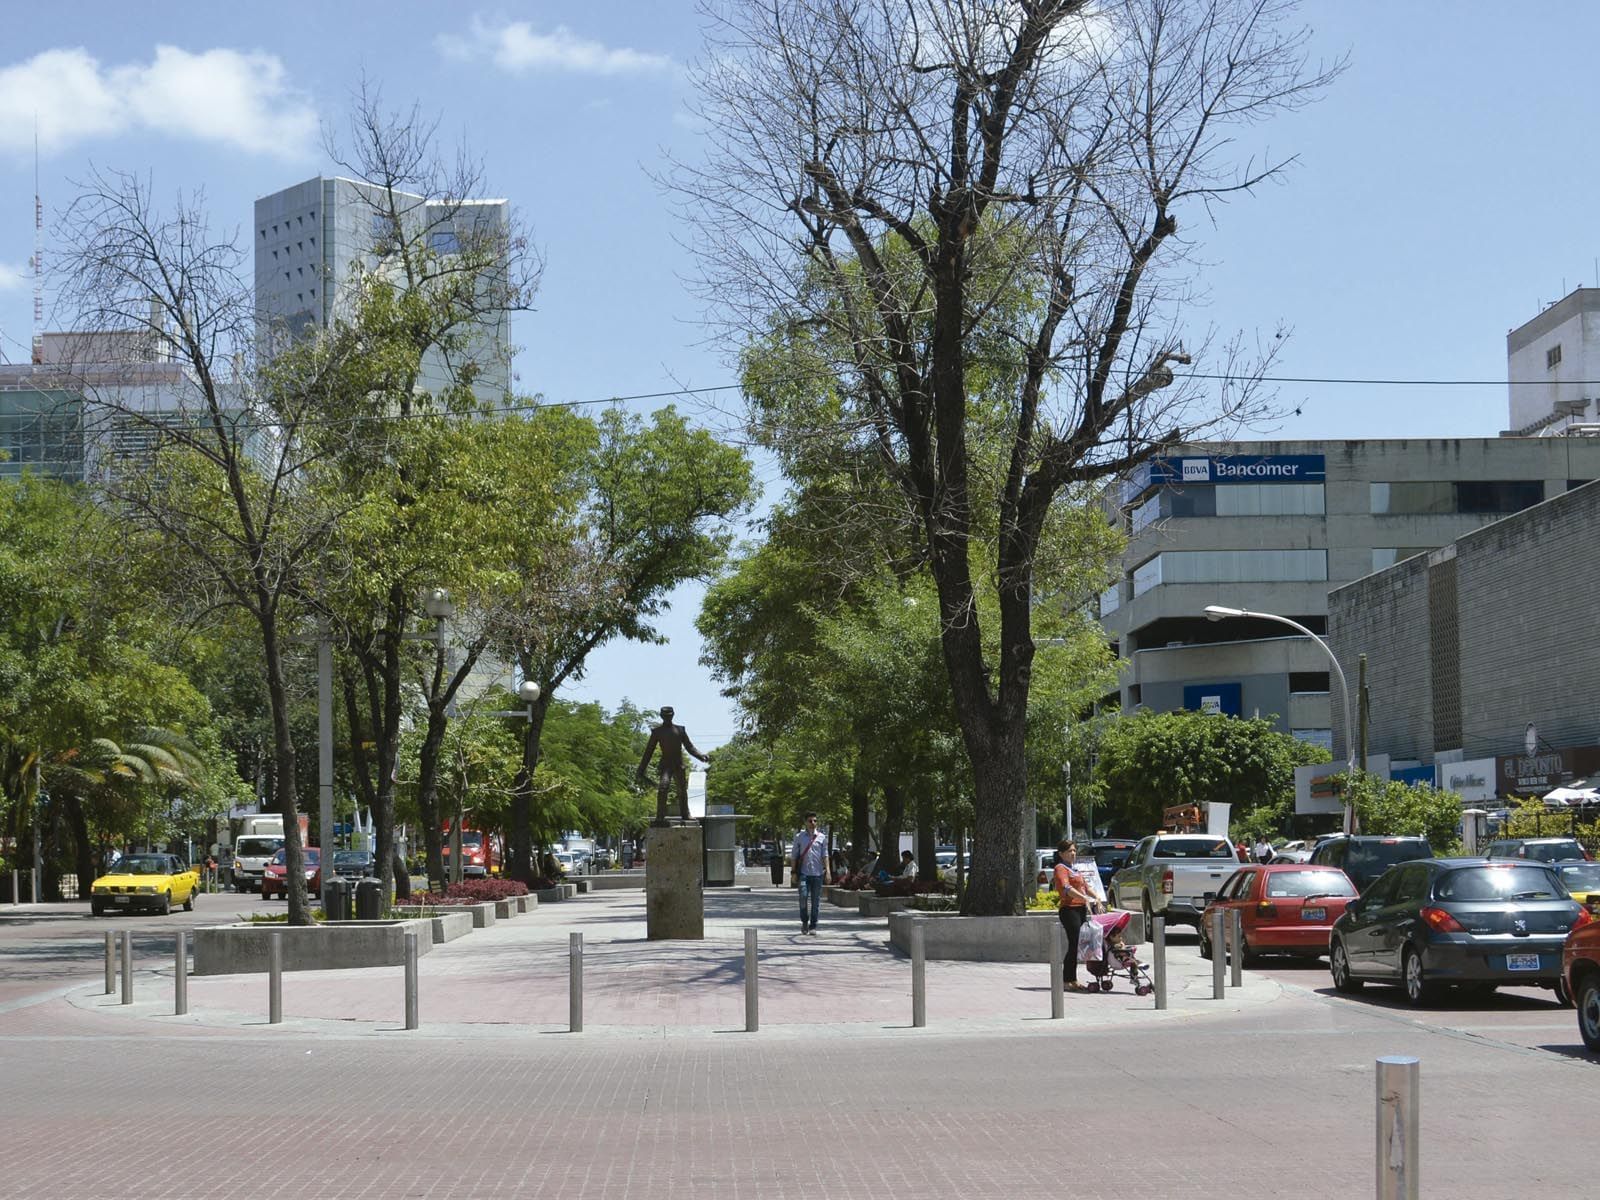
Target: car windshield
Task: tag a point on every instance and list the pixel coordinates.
(143, 864)
(345, 858)
(1580, 877)
(311, 852)
(258, 847)
(1309, 883)
(1371, 858)
(1194, 847)
(1112, 856)
(1552, 851)
(1497, 882)
(471, 837)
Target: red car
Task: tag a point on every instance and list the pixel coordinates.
(1287, 908)
(1580, 970)
(274, 884)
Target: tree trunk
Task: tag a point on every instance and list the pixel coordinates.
(428, 796)
(927, 840)
(999, 782)
(894, 818)
(82, 847)
(860, 824)
(389, 741)
(283, 775)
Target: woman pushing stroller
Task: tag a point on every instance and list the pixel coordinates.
(1077, 900)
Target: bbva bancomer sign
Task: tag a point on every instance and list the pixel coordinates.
(1240, 468)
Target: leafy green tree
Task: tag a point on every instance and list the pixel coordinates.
(1152, 761)
(1393, 808)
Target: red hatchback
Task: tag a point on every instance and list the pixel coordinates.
(273, 882)
(1286, 908)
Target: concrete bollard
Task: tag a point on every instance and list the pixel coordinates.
(180, 975)
(275, 978)
(1058, 973)
(1219, 953)
(16, 887)
(411, 979)
(919, 977)
(1236, 947)
(752, 987)
(575, 983)
(1158, 974)
(127, 966)
(1398, 1145)
(111, 962)
(33, 885)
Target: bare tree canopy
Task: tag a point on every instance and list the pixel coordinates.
(926, 192)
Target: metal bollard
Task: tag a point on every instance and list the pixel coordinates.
(575, 982)
(1058, 973)
(111, 962)
(127, 966)
(752, 987)
(33, 884)
(1219, 954)
(919, 977)
(16, 887)
(1236, 947)
(1398, 1146)
(411, 979)
(275, 978)
(1159, 972)
(180, 975)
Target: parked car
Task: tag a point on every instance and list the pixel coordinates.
(1174, 875)
(352, 864)
(565, 861)
(1284, 908)
(152, 881)
(1455, 921)
(275, 882)
(1580, 973)
(1581, 878)
(251, 854)
(1364, 859)
(1297, 851)
(1544, 849)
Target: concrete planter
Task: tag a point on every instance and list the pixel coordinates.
(843, 897)
(242, 949)
(874, 905)
(987, 939)
(505, 909)
(612, 880)
(550, 895)
(526, 903)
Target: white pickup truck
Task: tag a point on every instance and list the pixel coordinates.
(1174, 875)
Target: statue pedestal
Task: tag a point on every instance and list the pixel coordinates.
(674, 896)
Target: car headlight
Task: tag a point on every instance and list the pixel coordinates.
(101, 889)
(147, 888)
(237, 865)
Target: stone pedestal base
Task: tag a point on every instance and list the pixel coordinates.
(673, 888)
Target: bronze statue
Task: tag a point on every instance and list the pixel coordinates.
(673, 740)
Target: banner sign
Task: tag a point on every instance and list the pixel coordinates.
(1240, 468)
(1472, 780)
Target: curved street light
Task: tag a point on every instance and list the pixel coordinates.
(1219, 612)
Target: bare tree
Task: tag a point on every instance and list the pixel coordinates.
(185, 436)
(922, 190)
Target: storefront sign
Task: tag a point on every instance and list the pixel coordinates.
(1525, 774)
(1472, 780)
(1240, 468)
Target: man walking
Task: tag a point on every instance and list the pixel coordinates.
(810, 858)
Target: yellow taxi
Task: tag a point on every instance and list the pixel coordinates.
(1581, 879)
(152, 881)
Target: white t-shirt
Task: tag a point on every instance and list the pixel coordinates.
(815, 861)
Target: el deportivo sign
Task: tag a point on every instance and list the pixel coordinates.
(1240, 468)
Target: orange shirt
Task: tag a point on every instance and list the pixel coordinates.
(1066, 877)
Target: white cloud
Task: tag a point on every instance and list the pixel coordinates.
(12, 277)
(225, 97)
(517, 47)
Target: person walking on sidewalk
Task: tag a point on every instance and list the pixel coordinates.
(810, 858)
(1076, 899)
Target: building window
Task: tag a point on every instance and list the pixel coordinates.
(1232, 566)
(1417, 497)
(1232, 500)
(1308, 683)
(444, 241)
(1552, 357)
(1110, 599)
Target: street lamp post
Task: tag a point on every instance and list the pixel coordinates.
(1218, 612)
(528, 693)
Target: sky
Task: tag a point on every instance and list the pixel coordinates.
(1440, 195)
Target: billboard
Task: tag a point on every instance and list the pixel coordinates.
(1316, 791)
(1472, 779)
(1239, 468)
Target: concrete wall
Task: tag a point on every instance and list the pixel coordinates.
(240, 949)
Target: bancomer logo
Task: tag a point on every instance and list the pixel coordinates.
(1196, 470)
(1251, 470)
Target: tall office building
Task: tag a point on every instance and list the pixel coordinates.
(1272, 527)
(315, 240)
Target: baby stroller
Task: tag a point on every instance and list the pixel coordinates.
(1103, 952)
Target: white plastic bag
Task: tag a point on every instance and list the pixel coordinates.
(1091, 942)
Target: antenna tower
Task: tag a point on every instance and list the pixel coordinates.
(37, 262)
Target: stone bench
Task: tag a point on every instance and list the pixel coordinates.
(874, 905)
(987, 939)
(336, 945)
(843, 897)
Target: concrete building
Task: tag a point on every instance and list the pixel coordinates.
(316, 240)
(1272, 527)
(1552, 362)
(1479, 653)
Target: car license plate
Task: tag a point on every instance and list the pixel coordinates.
(1522, 962)
(1313, 914)
(122, 899)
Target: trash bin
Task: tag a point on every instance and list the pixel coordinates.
(369, 900)
(777, 866)
(337, 898)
